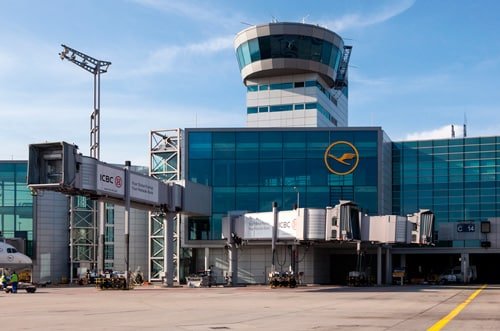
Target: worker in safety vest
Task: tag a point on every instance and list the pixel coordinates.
(13, 280)
(3, 280)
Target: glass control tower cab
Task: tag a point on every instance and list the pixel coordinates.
(295, 74)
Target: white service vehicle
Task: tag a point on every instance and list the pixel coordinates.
(455, 275)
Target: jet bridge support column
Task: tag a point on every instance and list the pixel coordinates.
(168, 227)
(388, 265)
(127, 223)
(379, 265)
(207, 258)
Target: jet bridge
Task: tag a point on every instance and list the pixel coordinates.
(59, 167)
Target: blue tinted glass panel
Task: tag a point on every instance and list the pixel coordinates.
(245, 51)
(252, 110)
(247, 145)
(265, 47)
(271, 144)
(294, 172)
(254, 50)
(317, 143)
(223, 199)
(316, 45)
(200, 145)
(280, 108)
(200, 171)
(239, 55)
(271, 172)
(326, 53)
(294, 144)
(304, 47)
(317, 172)
(223, 145)
(246, 198)
(247, 172)
(223, 173)
(298, 106)
(366, 197)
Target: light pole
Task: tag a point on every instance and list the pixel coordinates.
(95, 67)
(298, 196)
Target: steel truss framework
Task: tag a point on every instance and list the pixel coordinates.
(165, 158)
(83, 244)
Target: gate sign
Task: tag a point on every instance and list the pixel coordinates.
(466, 227)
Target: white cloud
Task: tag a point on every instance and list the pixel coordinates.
(194, 11)
(359, 20)
(168, 58)
(439, 133)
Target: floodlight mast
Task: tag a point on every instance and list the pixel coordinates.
(95, 67)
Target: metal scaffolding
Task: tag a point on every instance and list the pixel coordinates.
(165, 158)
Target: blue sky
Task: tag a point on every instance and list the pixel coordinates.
(416, 68)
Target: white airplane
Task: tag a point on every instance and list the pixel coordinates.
(11, 258)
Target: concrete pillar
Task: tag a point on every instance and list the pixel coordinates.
(207, 258)
(379, 265)
(464, 266)
(388, 266)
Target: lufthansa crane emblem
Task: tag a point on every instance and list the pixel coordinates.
(341, 158)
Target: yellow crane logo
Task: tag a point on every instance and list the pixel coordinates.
(341, 158)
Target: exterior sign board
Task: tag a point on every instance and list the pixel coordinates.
(144, 188)
(110, 180)
(260, 225)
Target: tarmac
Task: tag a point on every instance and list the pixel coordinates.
(253, 308)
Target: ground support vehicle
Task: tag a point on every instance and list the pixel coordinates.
(283, 279)
(28, 287)
(111, 283)
(455, 275)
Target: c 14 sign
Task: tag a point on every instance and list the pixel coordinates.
(466, 227)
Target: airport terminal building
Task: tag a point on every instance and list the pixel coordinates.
(299, 152)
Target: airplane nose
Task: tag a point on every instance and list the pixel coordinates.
(24, 259)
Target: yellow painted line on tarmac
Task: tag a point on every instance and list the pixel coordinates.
(445, 320)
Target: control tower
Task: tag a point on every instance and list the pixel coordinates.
(295, 74)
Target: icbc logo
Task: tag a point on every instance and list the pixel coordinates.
(118, 181)
(112, 180)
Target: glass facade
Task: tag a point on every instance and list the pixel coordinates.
(16, 203)
(288, 46)
(248, 169)
(458, 179)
